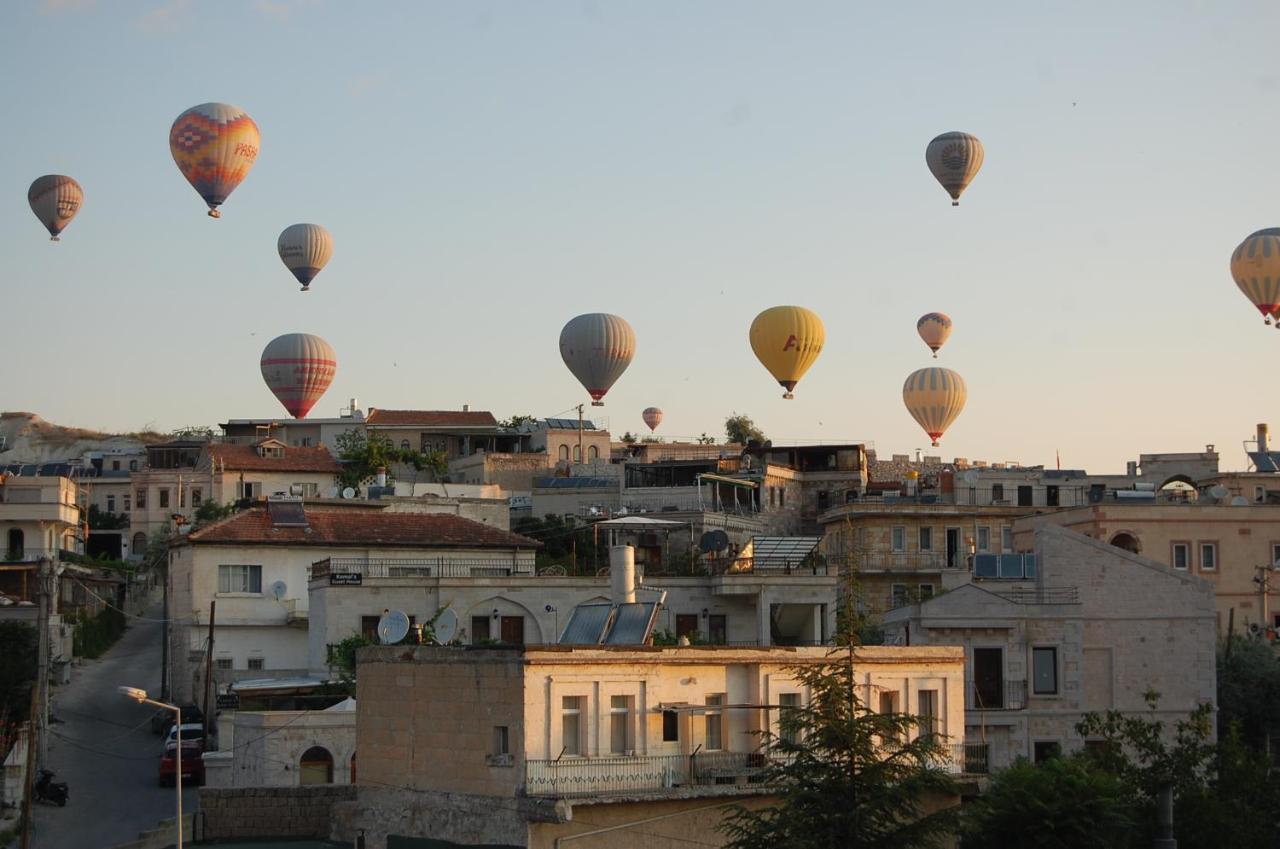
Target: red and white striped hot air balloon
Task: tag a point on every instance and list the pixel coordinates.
(652, 417)
(298, 368)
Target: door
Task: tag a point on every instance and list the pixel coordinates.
(988, 679)
(686, 625)
(953, 548)
(513, 630)
(1024, 496)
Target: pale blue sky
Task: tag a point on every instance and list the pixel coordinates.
(491, 169)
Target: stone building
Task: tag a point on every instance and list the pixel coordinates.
(1085, 626)
(286, 748)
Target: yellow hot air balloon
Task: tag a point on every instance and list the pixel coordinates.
(934, 328)
(954, 158)
(787, 340)
(1255, 266)
(214, 145)
(934, 397)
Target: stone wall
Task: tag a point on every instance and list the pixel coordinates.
(260, 812)
(381, 813)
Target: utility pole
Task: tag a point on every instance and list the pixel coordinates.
(1263, 580)
(208, 680)
(582, 458)
(39, 715)
(164, 643)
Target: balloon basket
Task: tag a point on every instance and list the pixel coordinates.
(955, 203)
(597, 403)
(54, 239)
(787, 396)
(213, 213)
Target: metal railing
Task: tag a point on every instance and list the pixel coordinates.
(897, 561)
(969, 759)
(571, 776)
(1038, 595)
(1006, 695)
(767, 566)
(444, 566)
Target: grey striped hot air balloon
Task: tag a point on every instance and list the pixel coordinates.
(55, 199)
(954, 158)
(305, 249)
(597, 347)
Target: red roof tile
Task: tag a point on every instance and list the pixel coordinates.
(245, 458)
(373, 527)
(430, 418)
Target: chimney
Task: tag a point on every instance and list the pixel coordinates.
(1262, 436)
(1131, 468)
(466, 408)
(622, 574)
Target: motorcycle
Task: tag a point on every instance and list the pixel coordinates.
(50, 791)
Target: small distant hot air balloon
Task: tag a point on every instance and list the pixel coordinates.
(597, 347)
(55, 200)
(934, 397)
(652, 417)
(1255, 266)
(934, 328)
(787, 340)
(215, 145)
(298, 368)
(305, 249)
(954, 158)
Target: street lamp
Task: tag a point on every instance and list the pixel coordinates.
(140, 696)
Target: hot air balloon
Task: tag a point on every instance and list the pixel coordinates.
(305, 249)
(215, 145)
(597, 347)
(652, 417)
(954, 158)
(934, 397)
(298, 368)
(787, 340)
(934, 328)
(1255, 266)
(55, 200)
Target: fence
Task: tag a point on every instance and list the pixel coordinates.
(639, 773)
(995, 695)
(423, 567)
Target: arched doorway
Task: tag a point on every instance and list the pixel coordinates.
(1179, 488)
(316, 766)
(1128, 542)
(17, 545)
(139, 545)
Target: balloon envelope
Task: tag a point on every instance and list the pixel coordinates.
(305, 249)
(787, 340)
(55, 200)
(934, 328)
(934, 397)
(298, 368)
(597, 347)
(1255, 266)
(652, 417)
(954, 158)
(214, 145)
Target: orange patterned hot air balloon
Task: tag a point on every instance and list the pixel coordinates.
(1255, 266)
(298, 368)
(215, 145)
(55, 200)
(934, 328)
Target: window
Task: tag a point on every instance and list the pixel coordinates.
(404, 445)
(686, 625)
(1208, 556)
(479, 629)
(1006, 539)
(898, 596)
(139, 545)
(111, 504)
(305, 442)
(926, 539)
(577, 453)
(1181, 555)
(316, 766)
(1044, 671)
(927, 711)
(997, 492)
(1047, 750)
(197, 496)
(512, 630)
(306, 490)
(984, 539)
(222, 663)
(571, 724)
(620, 737)
(239, 579)
(670, 726)
(127, 499)
(888, 701)
(926, 592)
(717, 629)
(593, 452)
(115, 465)
(256, 663)
(564, 452)
(988, 678)
(501, 740)
(782, 497)
(898, 538)
(164, 498)
(182, 497)
(1259, 494)
(1024, 496)
(1275, 553)
(715, 722)
(773, 496)
(251, 490)
(824, 500)
(141, 499)
(1051, 496)
(787, 703)
(133, 465)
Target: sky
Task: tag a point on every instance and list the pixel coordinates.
(491, 169)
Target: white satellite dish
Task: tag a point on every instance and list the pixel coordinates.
(392, 627)
(1239, 501)
(1219, 491)
(348, 493)
(970, 477)
(278, 590)
(446, 626)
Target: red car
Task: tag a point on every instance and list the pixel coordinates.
(192, 762)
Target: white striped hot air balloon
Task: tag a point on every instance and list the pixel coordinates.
(305, 249)
(954, 158)
(597, 347)
(934, 397)
(1255, 266)
(55, 199)
(298, 368)
(652, 417)
(934, 328)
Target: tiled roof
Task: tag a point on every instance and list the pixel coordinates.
(430, 418)
(372, 527)
(245, 458)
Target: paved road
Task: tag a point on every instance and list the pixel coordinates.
(105, 751)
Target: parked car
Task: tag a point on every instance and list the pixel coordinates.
(192, 762)
(193, 731)
(162, 719)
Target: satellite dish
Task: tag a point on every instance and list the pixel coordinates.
(348, 492)
(278, 590)
(713, 541)
(446, 626)
(1239, 501)
(1219, 491)
(970, 477)
(392, 627)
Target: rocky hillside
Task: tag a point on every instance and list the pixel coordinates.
(27, 438)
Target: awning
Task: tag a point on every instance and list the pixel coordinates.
(731, 481)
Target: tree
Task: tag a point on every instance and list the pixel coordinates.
(839, 783)
(362, 457)
(706, 440)
(741, 429)
(210, 511)
(101, 520)
(516, 421)
(1248, 691)
(629, 438)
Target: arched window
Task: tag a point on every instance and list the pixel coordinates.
(316, 766)
(404, 445)
(577, 453)
(593, 453)
(353, 768)
(17, 543)
(564, 452)
(139, 545)
(1128, 542)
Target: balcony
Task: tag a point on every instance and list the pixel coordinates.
(568, 777)
(353, 570)
(767, 566)
(969, 759)
(995, 695)
(896, 561)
